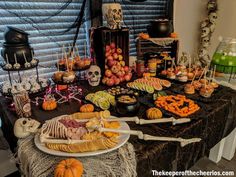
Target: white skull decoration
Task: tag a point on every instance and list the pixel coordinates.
(205, 32)
(112, 13)
(93, 75)
(23, 127)
(213, 17)
(205, 42)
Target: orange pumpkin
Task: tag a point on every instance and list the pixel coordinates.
(49, 103)
(69, 168)
(143, 36)
(87, 108)
(154, 113)
(174, 35)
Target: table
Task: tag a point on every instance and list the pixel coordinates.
(215, 121)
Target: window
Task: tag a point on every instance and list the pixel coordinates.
(46, 21)
(138, 14)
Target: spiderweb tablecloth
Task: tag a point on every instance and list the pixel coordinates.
(118, 163)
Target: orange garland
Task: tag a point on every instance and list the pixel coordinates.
(175, 104)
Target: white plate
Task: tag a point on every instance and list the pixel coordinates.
(123, 138)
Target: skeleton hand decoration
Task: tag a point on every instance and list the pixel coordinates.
(23, 127)
(93, 75)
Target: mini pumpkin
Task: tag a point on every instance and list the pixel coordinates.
(174, 35)
(154, 113)
(49, 103)
(144, 36)
(69, 168)
(87, 108)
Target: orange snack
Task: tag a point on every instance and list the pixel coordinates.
(178, 105)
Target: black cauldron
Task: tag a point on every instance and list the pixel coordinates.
(159, 28)
(15, 36)
(18, 49)
(127, 109)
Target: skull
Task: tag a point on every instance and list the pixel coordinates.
(205, 42)
(23, 127)
(213, 17)
(112, 13)
(93, 75)
(212, 5)
(205, 32)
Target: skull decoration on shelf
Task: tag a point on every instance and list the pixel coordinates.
(23, 127)
(112, 13)
(93, 75)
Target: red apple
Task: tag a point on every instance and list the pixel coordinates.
(107, 54)
(110, 82)
(111, 63)
(122, 63)
(120, 57)
(113, 45)
(119, 73)
(104, 80)
(108, 48)
(108, 73)
(126, 69)
(117, 81)
(113, 51)
(119, 50)
(110, 57)
(106, 67)
(128, 77)
(115, 56)
(115, 68)
(122, 79)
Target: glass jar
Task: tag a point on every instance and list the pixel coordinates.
(224, 57)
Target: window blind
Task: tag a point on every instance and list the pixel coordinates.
(137, 16)
(46, 21)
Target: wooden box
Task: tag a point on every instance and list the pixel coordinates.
(158, 48)
(104, 36)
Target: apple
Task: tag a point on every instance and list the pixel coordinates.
(122, 79)
(113, 51)
(117, 81)
(108, 73)
(119, 50)
(104, 80)
(113, 45)
(110, 57)
(108, 48)
(115, 56)
(111, 63)
(126, 69)
(120, 57)
(106, 67)
(110, 82)
(115, 68)
(119, 73)
(122, 63)
(107, 54)
(128, 76)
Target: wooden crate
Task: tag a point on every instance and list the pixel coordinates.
(103, 36)
(146, 49)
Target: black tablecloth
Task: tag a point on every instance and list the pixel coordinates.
(215, 120)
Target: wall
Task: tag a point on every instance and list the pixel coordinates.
(187, 17)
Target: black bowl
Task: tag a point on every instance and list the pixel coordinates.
(15, 36)
(18, 49)
(127, 109)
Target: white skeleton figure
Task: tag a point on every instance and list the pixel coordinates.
(23, 127)
(112, 13)
(93, 75)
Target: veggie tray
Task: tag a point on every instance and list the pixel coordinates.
(93, 143)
